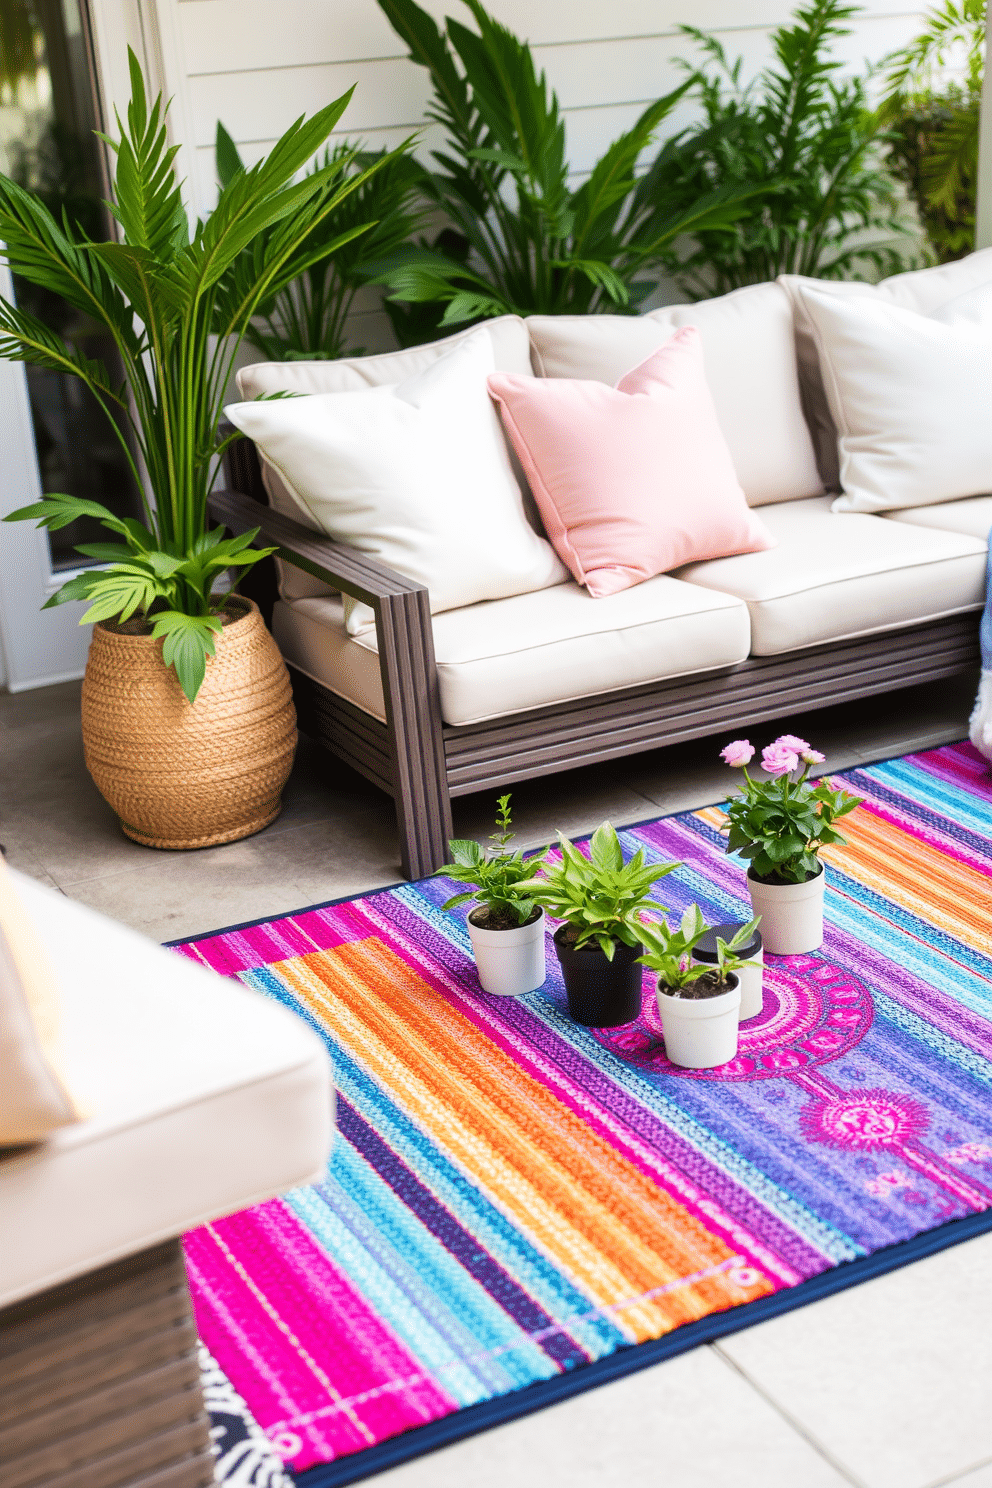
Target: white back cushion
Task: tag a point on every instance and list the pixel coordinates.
(750, 359)
(415, 474)
(922, 290)
(910, 395)
(511, 353)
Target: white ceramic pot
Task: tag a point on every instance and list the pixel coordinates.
(791, 914)
(510, 962)
(701, 1032)
(750, 974)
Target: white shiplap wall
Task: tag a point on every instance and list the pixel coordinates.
(258, 64)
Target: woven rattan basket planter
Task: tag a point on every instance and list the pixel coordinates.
(181, 774)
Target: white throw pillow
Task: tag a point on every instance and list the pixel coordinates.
(750, 357)
(511, 349)
(910, 395)
(415, 474)
(922, 290)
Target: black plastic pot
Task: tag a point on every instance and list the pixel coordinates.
(601, 993)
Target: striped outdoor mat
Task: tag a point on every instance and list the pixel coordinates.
(517, 1207)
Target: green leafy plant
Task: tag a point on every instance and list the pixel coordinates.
(780, 824)
(931, 119)
(176, 302)
(496, 874)
(532, 243)
(805, 139)
(669, 953)
(599, 898)
(307, 317)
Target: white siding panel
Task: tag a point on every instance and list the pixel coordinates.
(258, 64)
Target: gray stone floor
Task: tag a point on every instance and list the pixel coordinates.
(885, 1386)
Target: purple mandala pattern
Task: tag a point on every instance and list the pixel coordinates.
(865, 1120)
(814, 1011)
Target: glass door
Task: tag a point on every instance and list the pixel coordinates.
(54, 437)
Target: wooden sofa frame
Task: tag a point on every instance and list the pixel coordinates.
(422, 761)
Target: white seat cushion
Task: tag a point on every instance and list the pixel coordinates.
(201, 1097)
(750, 359)
(840, 574)
(972, 517)
(546, 647)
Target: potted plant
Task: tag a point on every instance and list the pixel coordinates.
(176, 301)
(506, 927)
(780, 825)
(698, 1002)
(599, 900)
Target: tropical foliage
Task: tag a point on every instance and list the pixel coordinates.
(802, 135)
(306, 319)
(669, 950)
(495, 874)
(600, 898)
(530, 242)
(931, 118)
(176, 301)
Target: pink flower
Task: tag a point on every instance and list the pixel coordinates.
(791, 741)
(813, 756)
(738, 754)
(778, 759)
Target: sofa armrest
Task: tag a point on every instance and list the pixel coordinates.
(406, 664)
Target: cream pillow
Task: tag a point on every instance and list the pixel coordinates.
(922, 290)
(414, 474)
(511, 349)
(33, 1098)
(750, 356)
(910, 395)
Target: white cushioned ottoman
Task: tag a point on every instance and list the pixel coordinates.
(549, 646)
(200, 1097)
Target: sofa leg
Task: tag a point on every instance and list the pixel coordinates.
(424, 833)
(101, 1382)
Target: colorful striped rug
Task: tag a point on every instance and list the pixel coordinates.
(517, 1208)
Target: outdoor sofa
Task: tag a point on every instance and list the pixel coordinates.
(845, 605)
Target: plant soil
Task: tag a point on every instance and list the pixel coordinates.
(569, 934)
(486, 919)
(235, 609)
(708, 985)
(778, 882)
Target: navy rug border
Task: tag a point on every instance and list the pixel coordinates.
(472, 1419)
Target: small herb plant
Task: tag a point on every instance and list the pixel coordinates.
(669, 953)
(781, 824)
(599, 897)
(496, 874)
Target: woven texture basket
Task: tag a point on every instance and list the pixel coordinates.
(182, 774)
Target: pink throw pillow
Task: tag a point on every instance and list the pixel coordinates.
(634, 480)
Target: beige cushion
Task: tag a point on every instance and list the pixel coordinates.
(839, 574)
(34, 1098)
(414, 474)
(972, 517)
(202, 1097)
(511, 353)
(547, 647)
(750, 359)
(922, 290)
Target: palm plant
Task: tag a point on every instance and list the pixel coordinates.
(806, 138)
(306, 318)
(932, 122)
(176, 302)
(535, 244)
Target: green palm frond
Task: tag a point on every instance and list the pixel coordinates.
(176, 301)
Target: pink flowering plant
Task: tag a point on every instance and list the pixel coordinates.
(780, 824)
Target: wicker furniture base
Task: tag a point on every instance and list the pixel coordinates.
(101, 1386)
